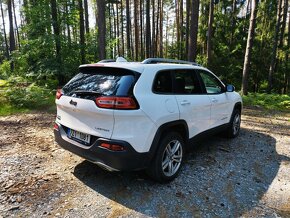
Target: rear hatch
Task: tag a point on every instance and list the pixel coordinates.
(85, 105)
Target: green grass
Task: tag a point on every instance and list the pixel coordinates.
(16, 99)
(2, 82)
(7, 109)
(268, 101)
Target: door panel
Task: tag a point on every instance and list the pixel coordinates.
(195, 110)
(194, 106)
(220, 104)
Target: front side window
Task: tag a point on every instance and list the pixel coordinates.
(211, 83)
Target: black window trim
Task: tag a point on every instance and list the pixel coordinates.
(114, 70)
(171, 71)
(203, 85)
(155, 78)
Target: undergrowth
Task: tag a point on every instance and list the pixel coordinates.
(268, 101)
(17, 95)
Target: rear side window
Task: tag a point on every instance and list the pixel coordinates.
(101, 82)
(163, 83)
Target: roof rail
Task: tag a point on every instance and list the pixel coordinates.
(107, 61)
(119, 59)
(164, 60)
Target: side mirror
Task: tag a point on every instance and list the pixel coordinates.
(230, 88)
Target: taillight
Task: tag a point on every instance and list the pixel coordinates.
(116, 102)
(112, 147)
(58, 94)
(55, 126)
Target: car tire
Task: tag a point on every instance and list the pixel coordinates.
(168, 158)
(235, 124)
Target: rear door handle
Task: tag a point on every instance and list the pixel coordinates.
(185, 102)
(214, 100)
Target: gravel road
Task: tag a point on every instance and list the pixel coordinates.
(245, 177)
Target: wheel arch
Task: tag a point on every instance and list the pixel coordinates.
(238, 106)
(179, 126)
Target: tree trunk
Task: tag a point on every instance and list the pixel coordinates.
(56, 30)
(177, 27)
(192, 51)
(12, 44)
(161, 30)
(283, 22)
(141, 10)
(128, 29)
(156, 40)
(87, 16)
(122, 30)
(75, 33)
(114, 29)
(118, 29)
(153, 52)
(82, 32)
(274, 48)
(204, 22)
(188, 3)
(136, 26)
(233, 21)
(110, 31)
(101, 7)
(286, 73)
(210, 33)
(16, 26)
(68, 26)
(251, 35)
(4, 31)
(167, 35)
(181, 47)
(11, 28)
(148, 30)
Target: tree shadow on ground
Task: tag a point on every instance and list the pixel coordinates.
(220, 177)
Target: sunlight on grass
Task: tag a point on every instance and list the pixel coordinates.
(268, 101)
(3, 82)
(20, 102)
(7, 109)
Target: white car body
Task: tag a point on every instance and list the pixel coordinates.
(139, 127)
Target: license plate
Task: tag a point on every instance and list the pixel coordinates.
(79, 136)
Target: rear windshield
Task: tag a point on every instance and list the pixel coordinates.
(101, 82)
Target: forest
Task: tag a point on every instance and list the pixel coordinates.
(42, 42)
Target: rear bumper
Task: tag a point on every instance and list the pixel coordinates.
(127, 160)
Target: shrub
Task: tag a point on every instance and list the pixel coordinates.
(31, 96)
(268, 101)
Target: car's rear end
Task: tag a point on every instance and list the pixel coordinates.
(92, 106)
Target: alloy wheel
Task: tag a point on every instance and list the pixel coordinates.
(236, 123)
(172, 157)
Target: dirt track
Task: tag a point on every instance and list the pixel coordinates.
(248, 176)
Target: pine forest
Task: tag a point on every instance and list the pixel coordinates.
(244, 42)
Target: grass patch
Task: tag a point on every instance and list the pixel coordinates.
(6, 108)
(24, 97)
(3, 82)
(268, 101)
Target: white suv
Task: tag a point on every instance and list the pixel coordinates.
(129, 116)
